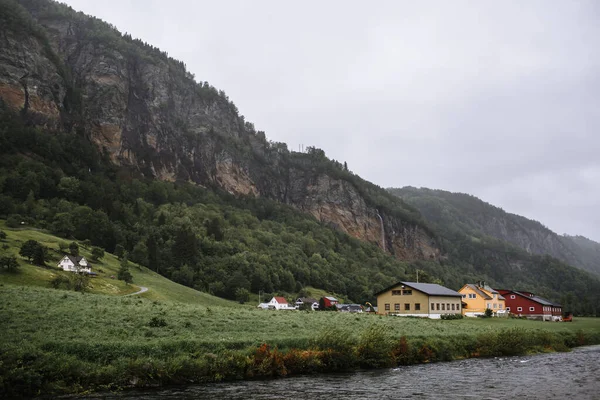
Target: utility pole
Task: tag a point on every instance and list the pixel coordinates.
(417, 276)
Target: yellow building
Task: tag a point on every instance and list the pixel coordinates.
(418, 300)
(479, 296)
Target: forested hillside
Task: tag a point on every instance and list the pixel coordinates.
(72, 73)
(206, 239)
(106, 138)
(464, 213)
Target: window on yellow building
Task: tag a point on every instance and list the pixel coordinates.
(443, 307)
(397, 307)
(406, 307)
(396, 292)
(417, 306)
(453, 307)
(407, 292)
(432, 307)
(437, 306)
(387, 307)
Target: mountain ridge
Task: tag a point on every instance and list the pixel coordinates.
(471, 215)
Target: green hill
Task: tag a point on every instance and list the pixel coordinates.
(159, 287)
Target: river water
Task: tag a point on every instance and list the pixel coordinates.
(574, 375)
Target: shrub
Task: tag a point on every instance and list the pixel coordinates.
(74, 249)
(63, 247)
(2, 235)
(59, 281)
(97, 253)
(488, 312)
(267, 362)
(451, 316)
(337, 348)
(157, 322)
(14, 221)
(375, 347)
(9, 263)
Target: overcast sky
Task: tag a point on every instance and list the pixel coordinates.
(497, 99)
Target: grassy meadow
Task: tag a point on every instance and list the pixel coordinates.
(159, 287)
(58, 341)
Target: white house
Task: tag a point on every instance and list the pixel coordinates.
(307, 301)
(74, 264)
(279, 303)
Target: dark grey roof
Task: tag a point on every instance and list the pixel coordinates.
(75, 259)
(432, 289)
(331, 298)
(307, 300)
(538, 299)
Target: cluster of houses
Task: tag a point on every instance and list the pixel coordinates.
(280, 303)
(431, 300)
(411, 299)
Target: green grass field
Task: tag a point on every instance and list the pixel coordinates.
(160, 288)
(57, 341)
(31, 313)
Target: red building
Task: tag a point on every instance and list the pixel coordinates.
(530, 305)
(329, 301)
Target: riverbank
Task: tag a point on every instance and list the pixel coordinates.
(571, 375)
(57, 342)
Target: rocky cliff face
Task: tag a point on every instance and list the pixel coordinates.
(67, 71)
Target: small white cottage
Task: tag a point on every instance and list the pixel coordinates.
(279, 303)
(74, 264)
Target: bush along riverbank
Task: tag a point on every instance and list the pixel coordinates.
(60, 368)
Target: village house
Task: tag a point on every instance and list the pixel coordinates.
(478, 297)
(279, 303)
(75, 264)
(418, 300)
(531, 306)
(329, 301)
(351, 308)
(307, 302)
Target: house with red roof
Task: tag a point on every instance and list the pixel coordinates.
(531, 306)
(279, 303)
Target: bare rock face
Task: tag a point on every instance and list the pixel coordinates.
(145, 111)
(29, 81)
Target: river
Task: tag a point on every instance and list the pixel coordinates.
(574, 375)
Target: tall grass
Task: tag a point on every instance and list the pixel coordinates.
(56, 342)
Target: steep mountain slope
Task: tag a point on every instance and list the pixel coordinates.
(470, 215)
(67, 71)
